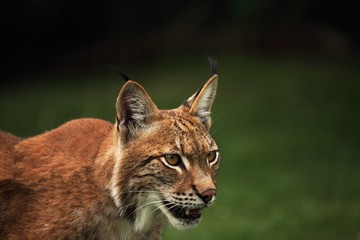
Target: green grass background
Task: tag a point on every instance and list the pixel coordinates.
(288, 130)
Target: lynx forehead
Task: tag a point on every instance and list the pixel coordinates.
(90, 179)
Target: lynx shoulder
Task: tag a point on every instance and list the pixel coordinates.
(91, 179)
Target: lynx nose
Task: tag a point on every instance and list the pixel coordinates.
(208, 195)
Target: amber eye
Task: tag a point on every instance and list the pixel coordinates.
(173, 159)
(212, 156)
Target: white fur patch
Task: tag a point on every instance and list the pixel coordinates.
(146, 211)
(186, 162)
(216, 159)
(115, 189)
(204, 104)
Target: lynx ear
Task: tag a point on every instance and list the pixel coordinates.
(135, 109)
(200, 103)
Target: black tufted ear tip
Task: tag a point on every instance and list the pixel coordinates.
(213, 65)
(121, 73)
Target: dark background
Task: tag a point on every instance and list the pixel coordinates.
(40, 35)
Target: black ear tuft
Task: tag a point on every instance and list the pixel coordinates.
(213, 65)
(122, 74)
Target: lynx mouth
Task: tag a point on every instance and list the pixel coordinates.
(183, 213)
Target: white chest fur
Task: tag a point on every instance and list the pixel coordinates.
(117, 229)
(122, 229)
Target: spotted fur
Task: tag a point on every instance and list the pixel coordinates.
(90, 179)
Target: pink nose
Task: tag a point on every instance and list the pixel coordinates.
(207, 195)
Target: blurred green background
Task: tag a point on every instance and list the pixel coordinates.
(286, 116)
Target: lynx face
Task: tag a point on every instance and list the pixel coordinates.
(166, 160)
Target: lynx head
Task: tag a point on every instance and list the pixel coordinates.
(166, 160)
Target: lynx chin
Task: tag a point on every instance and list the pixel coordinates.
(91, 179)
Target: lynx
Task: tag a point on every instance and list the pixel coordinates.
(91, 179)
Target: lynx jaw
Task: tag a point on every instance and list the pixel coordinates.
(181, 217)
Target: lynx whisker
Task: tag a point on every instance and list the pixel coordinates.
(219, 127)
(167, 204)
(144, 205)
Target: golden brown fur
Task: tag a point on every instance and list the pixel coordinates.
(90, 179)
(7, 143)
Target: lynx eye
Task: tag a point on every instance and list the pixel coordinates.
(173, 159)
(212, 156)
